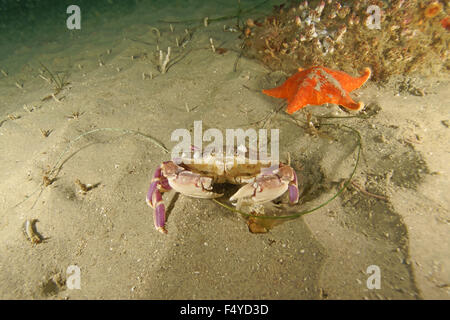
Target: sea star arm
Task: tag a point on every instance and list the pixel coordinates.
(303, 97)
(332, 94)
(289, 88)
(348, 82)
(278, 92)
(328, 93)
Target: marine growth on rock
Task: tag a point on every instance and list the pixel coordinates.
(391, 37)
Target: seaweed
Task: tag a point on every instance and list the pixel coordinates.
(54, 78)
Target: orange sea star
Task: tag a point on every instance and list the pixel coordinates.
(319, 85)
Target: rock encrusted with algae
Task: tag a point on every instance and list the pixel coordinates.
(406, 36)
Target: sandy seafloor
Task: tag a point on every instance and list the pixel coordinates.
(209, 252)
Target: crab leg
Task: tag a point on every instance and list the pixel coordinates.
(160, 212)
(293, 190)
(154, 199)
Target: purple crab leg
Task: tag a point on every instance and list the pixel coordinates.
(164, 183)
(293, 190)
(153, 186)
(158, 182)
(154, 199)
(160, 212)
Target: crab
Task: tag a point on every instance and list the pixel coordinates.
(262, 180)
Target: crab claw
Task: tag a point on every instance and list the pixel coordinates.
(187, 182)
(264, 189)
(193, 185)
(270, 186)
